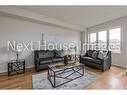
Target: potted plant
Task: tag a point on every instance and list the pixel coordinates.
(66, 54)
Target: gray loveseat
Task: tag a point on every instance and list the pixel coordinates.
(91, 59)
(42, 58)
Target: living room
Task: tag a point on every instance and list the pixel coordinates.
(65, 35)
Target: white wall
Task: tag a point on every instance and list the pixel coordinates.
(12, 28)
(117, 59)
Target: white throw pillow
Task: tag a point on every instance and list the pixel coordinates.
(102, 54)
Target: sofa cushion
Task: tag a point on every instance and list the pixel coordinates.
(95, 54)
(57, 59)
(45, 54)
(45, 62)
(89, 59)
(44, 59)
(59, 53)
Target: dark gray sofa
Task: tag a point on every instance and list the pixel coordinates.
(90, 60)
(43, 58)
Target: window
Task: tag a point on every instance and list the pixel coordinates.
(107, 39)
(92, 40)
(114, 40)
(102, 40)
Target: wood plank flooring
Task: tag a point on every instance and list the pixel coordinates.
(112, 79)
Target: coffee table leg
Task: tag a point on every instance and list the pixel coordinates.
(8, 69)
(82, 70)
(54, 80)
(48, 74)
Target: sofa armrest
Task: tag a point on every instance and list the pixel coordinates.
(105, 60)
(106, 63)
(80, 58)
(81, 55)
(37, 61)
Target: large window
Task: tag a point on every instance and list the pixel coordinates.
(92, 40)
(107, 39)
(114, 40)
(102, 40)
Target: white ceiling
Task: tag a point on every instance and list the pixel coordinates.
(83, 16)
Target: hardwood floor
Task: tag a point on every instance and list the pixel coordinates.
(112, 79)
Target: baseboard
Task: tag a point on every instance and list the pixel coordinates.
(27, 69)
(119, 66)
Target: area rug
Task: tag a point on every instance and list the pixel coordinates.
(40, 81)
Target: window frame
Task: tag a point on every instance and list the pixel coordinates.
(108, 30)
(119, 52)
(89, 38)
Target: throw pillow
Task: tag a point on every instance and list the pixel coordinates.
(59, 53)
(89, 53)
(102, 54)
(46, 54)
(95, 54)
